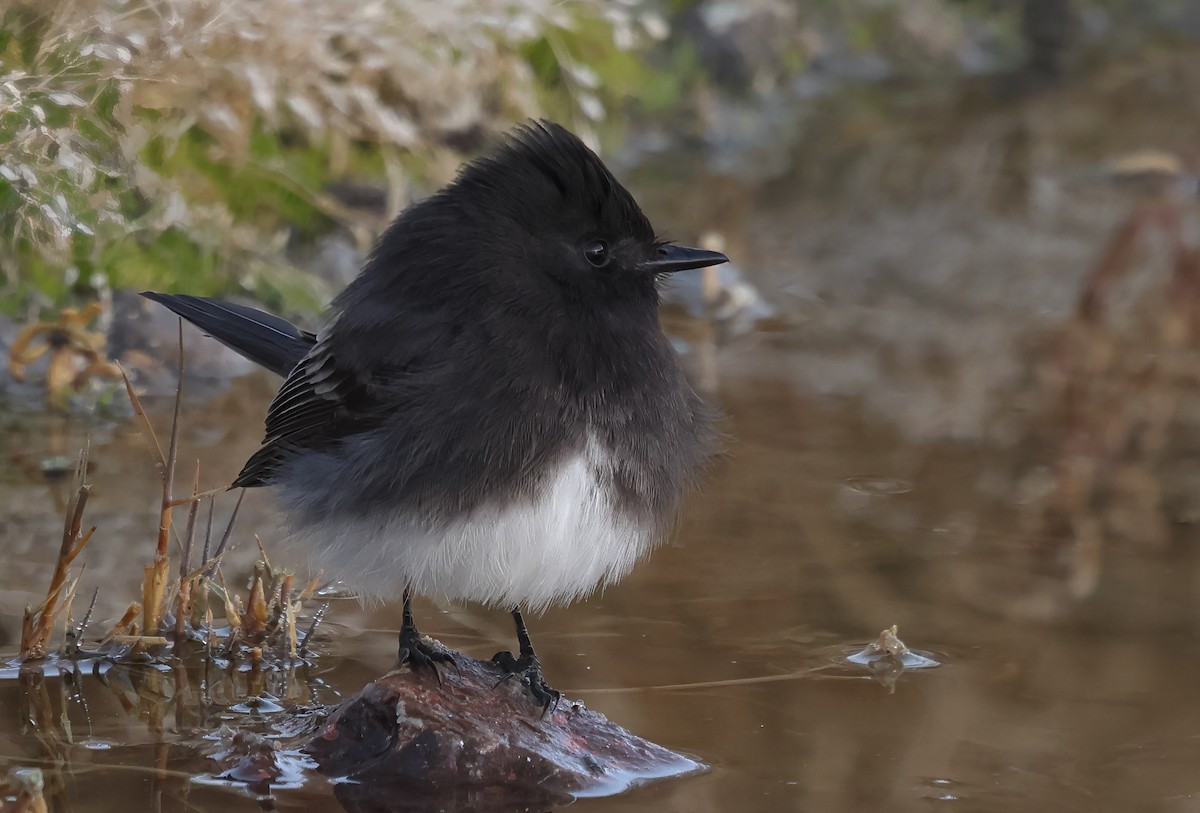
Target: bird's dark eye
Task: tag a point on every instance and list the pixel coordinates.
(596, 253)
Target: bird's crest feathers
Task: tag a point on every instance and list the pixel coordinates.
(574, 176)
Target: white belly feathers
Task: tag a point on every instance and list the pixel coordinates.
(552, 548)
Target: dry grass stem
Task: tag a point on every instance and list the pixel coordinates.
(183, 596)
(262, 552)
(38, 624)
(125, 624)
(189, 535)
(155, 582)
(177, 597)
(232, 614)
(143, 419)
(199, 496)
(223, 544)
(254, 620)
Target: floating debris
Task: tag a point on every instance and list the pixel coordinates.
(887, 657)
(889, 647)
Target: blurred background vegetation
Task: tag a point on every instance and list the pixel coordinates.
(214, 146)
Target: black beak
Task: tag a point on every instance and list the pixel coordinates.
(680, 258)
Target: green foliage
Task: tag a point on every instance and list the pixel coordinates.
(62, 200)
(599, 64)
(197, 159)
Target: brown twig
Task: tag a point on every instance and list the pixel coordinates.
(144, 421)
(199, 496)
(183, 597)
(228, 531)
(38, 624)
(254, 619)
(287, 641)
(126, 623)
(156, 574)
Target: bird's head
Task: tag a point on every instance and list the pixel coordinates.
(543, 211)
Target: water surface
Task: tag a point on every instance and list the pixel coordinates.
(921, 438)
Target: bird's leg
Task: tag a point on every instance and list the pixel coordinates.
(527, 666)
(413, 650)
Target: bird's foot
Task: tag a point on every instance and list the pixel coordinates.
(420, 655)
(529, 670)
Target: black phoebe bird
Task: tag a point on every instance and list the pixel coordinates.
(492, 412)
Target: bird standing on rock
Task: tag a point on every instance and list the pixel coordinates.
(492, 412)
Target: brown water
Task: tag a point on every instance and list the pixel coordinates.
(904, 449)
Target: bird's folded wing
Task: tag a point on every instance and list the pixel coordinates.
(320, 403)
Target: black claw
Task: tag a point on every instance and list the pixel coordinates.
(420, 655)
(415, 651)
(530, 672)
(507, 663)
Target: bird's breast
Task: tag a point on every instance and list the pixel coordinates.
(552, 546)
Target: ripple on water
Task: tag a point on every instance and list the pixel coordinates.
(260, 704)
(878, 486)
(909, 659)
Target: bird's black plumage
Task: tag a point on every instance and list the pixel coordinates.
(265, 339)
(498, 363)
(477, 349)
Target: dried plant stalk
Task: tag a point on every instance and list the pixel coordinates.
(154, 582)
(254, 620)
(232, 614)
(288, 608)
(183, 596)
(127, 622)
(224, 543)
(146, 427)
(38, 624)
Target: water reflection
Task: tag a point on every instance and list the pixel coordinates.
(969, 419)
(210, 723)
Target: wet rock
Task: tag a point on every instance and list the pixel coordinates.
(476, 743)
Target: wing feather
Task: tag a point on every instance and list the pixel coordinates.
(319, 404)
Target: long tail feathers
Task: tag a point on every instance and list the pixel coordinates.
(266, 340)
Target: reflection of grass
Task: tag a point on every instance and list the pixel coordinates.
(212, 720)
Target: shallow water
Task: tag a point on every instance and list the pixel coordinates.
(898, 455)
